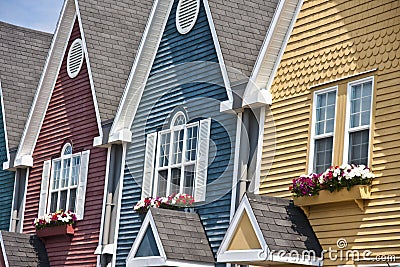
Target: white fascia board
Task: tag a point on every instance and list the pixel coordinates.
(3, 250)
(96, 106)
(142, 65)
(272, 51)
(5, 129)
(47, 81)
(188, 263)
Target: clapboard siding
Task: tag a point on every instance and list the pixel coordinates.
(170, 86)
(70, 116)
(6, 179)
(331, 40)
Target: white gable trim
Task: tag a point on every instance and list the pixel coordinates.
(120, 130)
(131, 261)
(258, 89)
(254, 255)
(6, 164)
(65, 25)
(46, 86)
(85, 51)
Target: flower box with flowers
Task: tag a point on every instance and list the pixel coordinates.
(175, 202)
(336, 184)
(58, 223)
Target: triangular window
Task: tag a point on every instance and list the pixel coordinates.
(148, 246)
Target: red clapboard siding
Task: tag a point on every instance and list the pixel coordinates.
(70, 116)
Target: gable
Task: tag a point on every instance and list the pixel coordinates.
(244, 237)
(148, 246)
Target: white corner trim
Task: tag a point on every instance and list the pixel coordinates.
(6, 165)
(131, 261)
(5, 128)
(254, 255)
(24, 161)
(260, 145)
(97, 141)
(47, 80)
(271, 54)
(221, 61)
(3, 250)
(96, 106)
(122, 136)
(140, 70)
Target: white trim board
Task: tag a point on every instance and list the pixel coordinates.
(3, 250)
(6, 164)
(142, 66)
(258, 89)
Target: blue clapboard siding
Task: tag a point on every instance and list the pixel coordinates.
(179, 79)
(6, 180)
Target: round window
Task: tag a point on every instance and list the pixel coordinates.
(75, 58)
(186, 15)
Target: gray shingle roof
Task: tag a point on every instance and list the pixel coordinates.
(284, 225)
(241, 27)
(24, 250)
(22, 57)
(113, 30)
(182, 235)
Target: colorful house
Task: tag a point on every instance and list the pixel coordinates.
(334, 102)
(76, 99)
(189, 123)
(22, 56)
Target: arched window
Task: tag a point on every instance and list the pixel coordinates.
(64, 180)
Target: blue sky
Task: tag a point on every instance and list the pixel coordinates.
(36, 14)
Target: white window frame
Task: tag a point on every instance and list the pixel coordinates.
(183, 164)
(69, 187)
(313, 123)
(360, 128)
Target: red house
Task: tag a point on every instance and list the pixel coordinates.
(62, 146)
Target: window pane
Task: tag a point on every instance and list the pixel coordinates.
(63, 200)
(325, 113)
(65, 172)
(164, 149)
(358, 147)
(72, 198)
(322, 154)
(56, 175)
(175, 180)
(360, 104)
(180, 120)
(191, 143)
(68, 150)
(177, 147)
(162, 183)
(188, 182)
(53, 203)
(76, 163)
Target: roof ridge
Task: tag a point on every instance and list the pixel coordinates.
(7, 24)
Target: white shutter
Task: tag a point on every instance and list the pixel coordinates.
(44, 187)
(80, 197)
(202, 160)
(148, 172)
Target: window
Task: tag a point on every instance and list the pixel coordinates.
(340, 130)
(64, 182)
(177, 152)
(323, 129)
(176, 159)
(358, 121)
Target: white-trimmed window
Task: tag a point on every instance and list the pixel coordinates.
(64, 182)
(177, 158)
(358, 120)
(323, 129)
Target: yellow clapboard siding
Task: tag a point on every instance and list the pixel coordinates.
(331, 40)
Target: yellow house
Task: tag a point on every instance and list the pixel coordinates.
(336, 100)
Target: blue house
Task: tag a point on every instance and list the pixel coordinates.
(22, 56)
(188, 122)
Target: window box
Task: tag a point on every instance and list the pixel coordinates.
(357, 194)
(60, 230)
